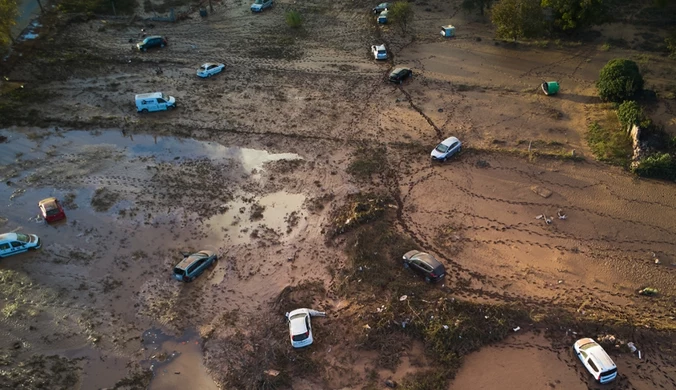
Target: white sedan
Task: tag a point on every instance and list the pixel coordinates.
(447, 148)
(300, 327)
(209, 69)
(379, 52)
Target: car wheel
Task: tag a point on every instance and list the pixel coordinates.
(162, 45)
(188, 279)
(209, 75)
(144, 49)
(144, 111)
(170, 108)
(406, 265)
(444, 159)
(427, 279)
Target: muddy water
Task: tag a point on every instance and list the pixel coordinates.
(176, 362)
(134, 253)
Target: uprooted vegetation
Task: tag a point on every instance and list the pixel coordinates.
(368, 161)
(358, 209)
(39, 372)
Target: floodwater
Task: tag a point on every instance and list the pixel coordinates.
(176, 362)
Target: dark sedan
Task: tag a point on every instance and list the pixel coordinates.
(400, 74)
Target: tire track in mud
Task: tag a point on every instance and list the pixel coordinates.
(429, 120)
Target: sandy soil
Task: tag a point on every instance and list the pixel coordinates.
(253, 162)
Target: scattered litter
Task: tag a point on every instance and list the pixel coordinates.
(367, 327)
(631, 346)
(548, 221)
(380, 309)
(639, 355)
(403, 324)
(560, 281)
(390, 383)
(487, 317)
(403, 298)
(518, 328)
(271, 372)
(657, 261)
(540, 216)
(649, 291)
(446, 327)
(561, 215)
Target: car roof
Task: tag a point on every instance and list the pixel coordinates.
(149, 95)
(399, 70)
(597, 353)
(297, 325)
(152, 37)
(49, 203)
(185, 263)
(8, 237)
(209, 63)
(427, 258)
(449, 141)
(378, 47)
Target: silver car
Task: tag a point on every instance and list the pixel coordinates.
(446, 149)
(209, 69)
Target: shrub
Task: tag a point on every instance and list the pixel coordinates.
(619, 80)
(671, 43)
(293, 19)
(658, 165)
(516, 19)
(613, 147)
(630, 113)
(401, 14)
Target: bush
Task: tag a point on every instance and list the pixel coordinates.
(293, 19)
(516, 19)
(671, 43)
(104, 7)
(613, 147)
(619, 80)
(658, 165)
(401, 14)
(630, 113)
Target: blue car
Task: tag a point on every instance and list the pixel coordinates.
(260, 5)
(193, 265)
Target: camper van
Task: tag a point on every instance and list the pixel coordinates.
(157, 101)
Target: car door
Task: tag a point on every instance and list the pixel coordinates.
(592, 368)
(17, 247)
(5, 249)
(453, 148)
(417, 266)
(201, 266)
(161, 104)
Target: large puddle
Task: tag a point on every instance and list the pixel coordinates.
(176, 362)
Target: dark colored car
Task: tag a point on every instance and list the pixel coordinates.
(424, 264)
(400, 74)
(193, 265)
(150, 42)
(380, 8)
(51, 210)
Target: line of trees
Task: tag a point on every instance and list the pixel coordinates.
(9, 11)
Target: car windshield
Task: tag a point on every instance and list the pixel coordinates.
(23, 237)
(382, 51)
(589, 345)
(179, 271)
(442, 148)
(52, 212)
(609, 372)
(258, 2)
(164, 97)
(301, 337)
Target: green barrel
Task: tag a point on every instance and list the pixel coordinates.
(550, 87)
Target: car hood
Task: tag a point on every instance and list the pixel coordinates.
(172, 100)
(256, 6)
(436, 153)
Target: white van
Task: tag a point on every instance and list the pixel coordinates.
(13, 243)
(157, 101)
(595, 360)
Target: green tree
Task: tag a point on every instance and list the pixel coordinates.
(9, 11)
(401, 13)
(574, 14)
(481, 5)
(619, 80)
(293, 19)
(670, 41)
(517, 18)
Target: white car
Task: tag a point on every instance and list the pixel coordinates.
(300, 327)
(447, 148)
(156, 101)
(596, 360)
(13, 243)
(209, 69)
(379, 52)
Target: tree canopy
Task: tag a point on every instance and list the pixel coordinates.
(574, 14)
(401, 14)
(517, 18)
(9, 11)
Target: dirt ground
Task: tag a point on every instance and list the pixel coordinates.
(254, 164)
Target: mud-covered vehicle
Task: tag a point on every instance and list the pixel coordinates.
(194, 265)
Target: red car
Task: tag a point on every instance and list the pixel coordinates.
(51, 210)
